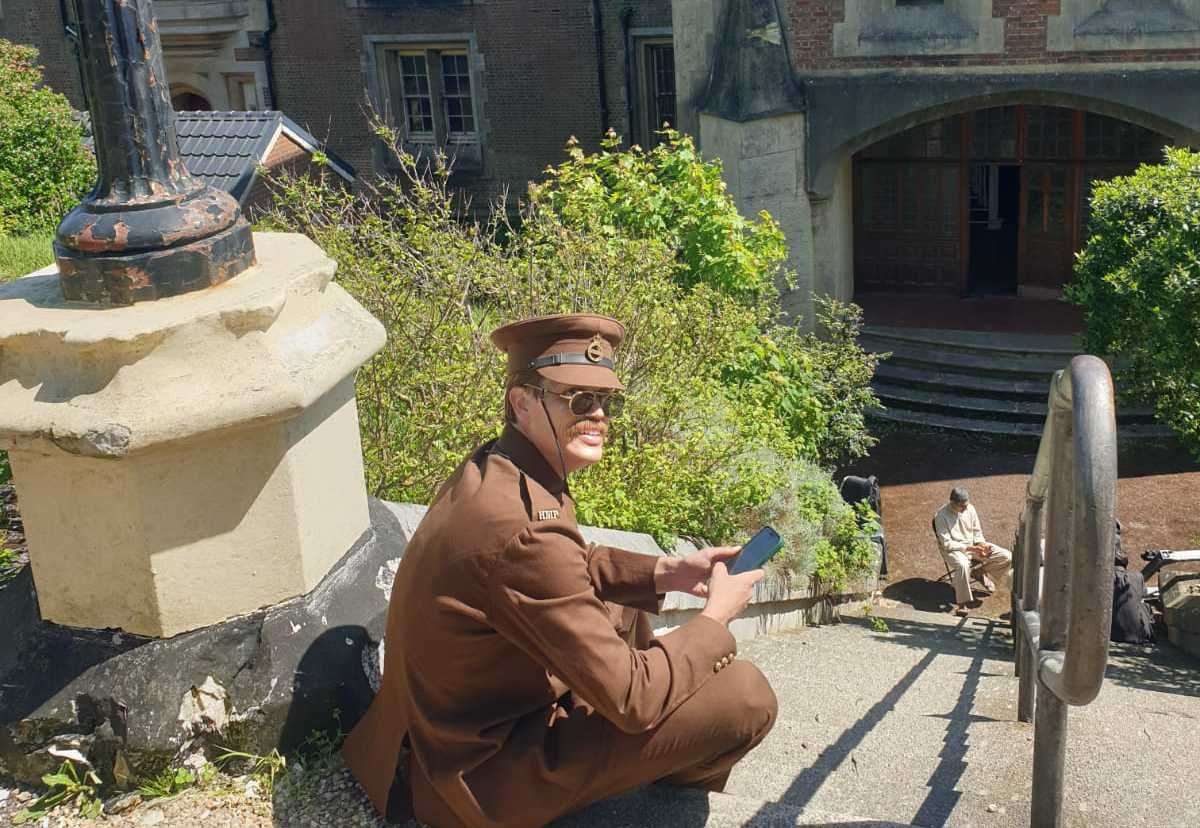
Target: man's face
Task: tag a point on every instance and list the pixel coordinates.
(959, 507)
(581, 437)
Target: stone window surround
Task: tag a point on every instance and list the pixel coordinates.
(639, 39)
(375, 71)
(1062, 34)
(915, 29)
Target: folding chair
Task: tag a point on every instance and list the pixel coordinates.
(949, 577)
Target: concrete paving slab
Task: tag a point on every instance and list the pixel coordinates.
(918, 726)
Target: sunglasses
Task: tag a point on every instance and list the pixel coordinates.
(583, 403)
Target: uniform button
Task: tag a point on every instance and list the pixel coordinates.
(717, 667)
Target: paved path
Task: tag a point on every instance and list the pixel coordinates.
(918, 726)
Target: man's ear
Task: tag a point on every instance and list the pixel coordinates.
(518, 403)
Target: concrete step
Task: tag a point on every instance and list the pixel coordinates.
(663, 806)
(976, 425)
(936, 378)
(953, 403)
(976, 342)
(1032, 367)
(929, 419)
(957, 405)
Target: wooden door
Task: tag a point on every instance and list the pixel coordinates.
(907, 226)
(1047, 226)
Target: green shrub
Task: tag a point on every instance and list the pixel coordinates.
(668, 194)
(697, 452)
(1138, 277)
(44, 167)
(818, 386)
(20, 255)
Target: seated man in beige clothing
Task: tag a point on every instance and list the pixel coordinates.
(960, 540)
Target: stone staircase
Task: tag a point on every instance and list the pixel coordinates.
(993, 383)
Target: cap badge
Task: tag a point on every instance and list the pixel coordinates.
(595, 349)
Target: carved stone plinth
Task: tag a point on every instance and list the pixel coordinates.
(183, 461)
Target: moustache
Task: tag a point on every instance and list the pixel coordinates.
(589, 426)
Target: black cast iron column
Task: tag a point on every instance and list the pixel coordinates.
(149, 229)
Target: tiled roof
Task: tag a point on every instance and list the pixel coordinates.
(225, 148)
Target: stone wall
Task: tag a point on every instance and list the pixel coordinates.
(851, 34)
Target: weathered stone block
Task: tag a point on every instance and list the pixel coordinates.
(1181, 611)
(188, 460)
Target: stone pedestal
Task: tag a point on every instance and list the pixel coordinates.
(188, 460)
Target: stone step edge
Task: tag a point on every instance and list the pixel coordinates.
(931, 339)
(979, 405)
(999, 427)
(964, 383)
(1029, 368)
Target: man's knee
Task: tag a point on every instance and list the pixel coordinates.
(960, 564)
(748, 700)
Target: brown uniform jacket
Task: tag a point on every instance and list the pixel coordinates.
(498, 611)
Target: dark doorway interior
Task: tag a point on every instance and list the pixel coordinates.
(994, 214)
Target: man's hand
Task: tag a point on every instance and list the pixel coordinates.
(690, 574)
(729, 594)
(982, 550)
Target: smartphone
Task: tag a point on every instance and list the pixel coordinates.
(757, 551)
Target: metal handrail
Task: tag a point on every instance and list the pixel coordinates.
(1062, 625)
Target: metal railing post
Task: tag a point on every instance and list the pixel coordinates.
(1029, 579)
(1063, 591)
(1050, 717)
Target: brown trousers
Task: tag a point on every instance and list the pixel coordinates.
(697, 745)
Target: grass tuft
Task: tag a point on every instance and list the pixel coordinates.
(20, 255)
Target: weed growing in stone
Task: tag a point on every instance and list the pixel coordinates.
(67, 786)
(168, 782)
(262, 769)
(877, 623)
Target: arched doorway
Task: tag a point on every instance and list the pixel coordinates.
(993, 201)
(184, 99)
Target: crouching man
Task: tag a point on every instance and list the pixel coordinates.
(521, 678)
(960, 539)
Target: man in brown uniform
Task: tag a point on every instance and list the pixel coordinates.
(521, 678)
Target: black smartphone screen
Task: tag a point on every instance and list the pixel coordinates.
(757, 551)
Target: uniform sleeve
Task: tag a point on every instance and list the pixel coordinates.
(541, 597)
(623, 577)
(943, 532)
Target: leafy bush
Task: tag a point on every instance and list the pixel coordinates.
(1138, 277)
(44, 167)
(669, 195)
(700, 447)
(818, 386)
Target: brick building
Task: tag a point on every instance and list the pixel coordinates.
(934, 146)
(906, 146)
(216, 52)
(501, 83)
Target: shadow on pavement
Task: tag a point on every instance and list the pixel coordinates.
(922, 594)
(1158, 667)
(806, 785)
